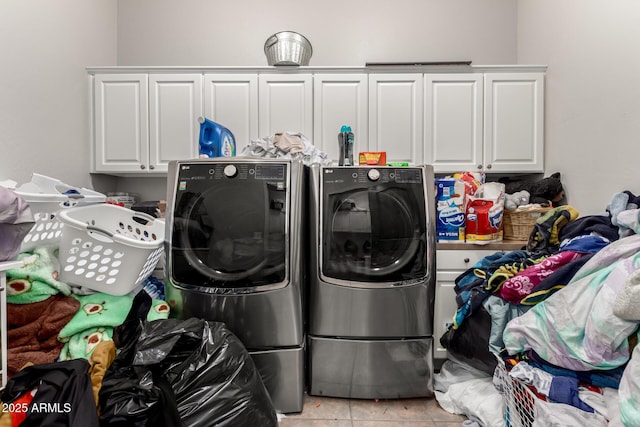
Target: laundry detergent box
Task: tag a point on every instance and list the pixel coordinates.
(450, 210)
(484, 214)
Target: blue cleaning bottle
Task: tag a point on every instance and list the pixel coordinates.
(215, 140)
(345, 142)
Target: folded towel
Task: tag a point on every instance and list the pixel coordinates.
(37, 279)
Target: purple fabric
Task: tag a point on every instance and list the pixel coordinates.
(16, 220)
(523, 283)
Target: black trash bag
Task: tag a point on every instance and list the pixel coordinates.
(63, 398)
(183, 373)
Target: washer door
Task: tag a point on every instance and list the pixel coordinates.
(230, 235)
(373, 235)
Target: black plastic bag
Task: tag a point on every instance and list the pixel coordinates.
(183, 373)
(63, 397)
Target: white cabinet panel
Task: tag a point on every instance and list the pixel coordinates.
(232, 101)
(175, 103)
(449, 265)
(444, 310)
(339, 99)
(453, 121)
(285, 104)
(121, 122)
(486, 119)
(514, 122)
(395, 116)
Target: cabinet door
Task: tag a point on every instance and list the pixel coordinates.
(232, 101)
(339, 99)
(395, 116)
(175, 103)
(444, 310)
(453, 122)
(285, 104)
(121, 122)
(514, 122)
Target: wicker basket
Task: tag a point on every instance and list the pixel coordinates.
(518, 224)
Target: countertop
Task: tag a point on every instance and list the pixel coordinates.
(505, 245)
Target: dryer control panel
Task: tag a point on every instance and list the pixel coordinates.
(346, 175)
(236, 170)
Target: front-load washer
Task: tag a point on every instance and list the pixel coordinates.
(234, 246)
(372, 268)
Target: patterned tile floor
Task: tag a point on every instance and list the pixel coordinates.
(334, 412)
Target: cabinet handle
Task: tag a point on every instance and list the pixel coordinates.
(142, 166)
(489, 166)
(152, 167)
(466, 260)
(479, 166)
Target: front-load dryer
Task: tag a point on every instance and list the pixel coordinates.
(234, 245)
(372, 268)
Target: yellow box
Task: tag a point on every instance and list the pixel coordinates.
(378, 158)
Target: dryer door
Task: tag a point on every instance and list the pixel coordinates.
(231, 232)
(374, 234)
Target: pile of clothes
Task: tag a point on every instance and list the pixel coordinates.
(566, 305)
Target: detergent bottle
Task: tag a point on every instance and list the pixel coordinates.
(215, 140)
(345, 142)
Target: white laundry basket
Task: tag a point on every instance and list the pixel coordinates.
(109, 248)
(46, 198)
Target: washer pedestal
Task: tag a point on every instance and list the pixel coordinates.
(367, 369)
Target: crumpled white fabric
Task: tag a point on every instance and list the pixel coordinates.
(477, 399)
(267, 148)
(529, 375)
(547, 414)
(629, 391)
(454, 371)
(627, 304)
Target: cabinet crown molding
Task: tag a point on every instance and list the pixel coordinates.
(318, 69)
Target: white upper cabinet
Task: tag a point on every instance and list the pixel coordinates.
(514, 122)
(478, 118)
(143, 121)
(395, 116)
(121, 122)
(175, 103)
(453, 122)
(285, 104)
(339, 99)
(232, 101)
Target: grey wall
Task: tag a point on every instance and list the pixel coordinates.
(206, 32)
(44, 49)
(592, 128)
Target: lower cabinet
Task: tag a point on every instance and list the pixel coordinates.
(450, 263)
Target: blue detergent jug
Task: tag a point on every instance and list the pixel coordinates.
(215, 139)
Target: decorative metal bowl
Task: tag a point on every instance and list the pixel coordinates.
(288, 48)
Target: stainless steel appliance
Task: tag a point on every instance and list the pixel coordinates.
(235, 254)
(372, 265)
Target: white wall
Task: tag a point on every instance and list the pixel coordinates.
(592, 128)
(45, 47)
(591, 48)
(353, 32)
